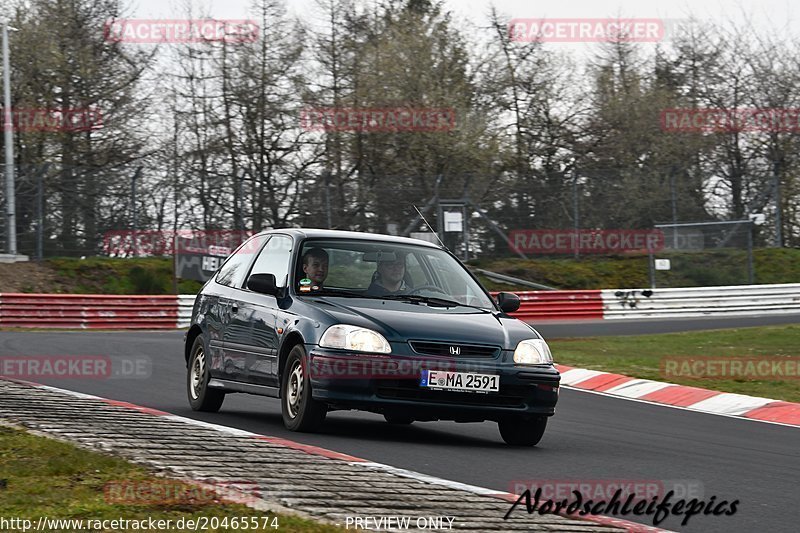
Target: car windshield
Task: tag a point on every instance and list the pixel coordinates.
(376, 269)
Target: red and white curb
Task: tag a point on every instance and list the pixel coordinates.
(681, 396)
(632, 527)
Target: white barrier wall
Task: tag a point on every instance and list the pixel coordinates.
(736, 300)
(185, 304)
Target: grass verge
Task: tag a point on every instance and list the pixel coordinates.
(104, 275)
(44, 477)
(641, 356)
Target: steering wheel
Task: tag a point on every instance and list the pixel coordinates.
(434, 288)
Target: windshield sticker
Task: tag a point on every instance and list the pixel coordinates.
(305, 281)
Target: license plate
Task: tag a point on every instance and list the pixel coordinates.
(459, 381)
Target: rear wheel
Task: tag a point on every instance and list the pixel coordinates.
(522, 431)
(300, 411)
(398, 420)
(201, 397)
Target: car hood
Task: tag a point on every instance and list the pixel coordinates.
(400, 321)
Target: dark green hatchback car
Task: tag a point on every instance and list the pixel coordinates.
(328, 320)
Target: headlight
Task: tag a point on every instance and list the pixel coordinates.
(533, 352)
(354, 338)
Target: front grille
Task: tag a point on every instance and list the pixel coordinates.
(443, 349)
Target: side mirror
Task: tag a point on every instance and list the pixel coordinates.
(263, 283)
(508, 302)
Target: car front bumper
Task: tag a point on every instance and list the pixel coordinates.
(391, 385)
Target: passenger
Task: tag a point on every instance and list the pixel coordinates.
(315, 267)
(389, 277)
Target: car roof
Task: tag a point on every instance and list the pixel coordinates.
(313, 233)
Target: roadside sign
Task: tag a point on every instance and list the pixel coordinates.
(662, 264)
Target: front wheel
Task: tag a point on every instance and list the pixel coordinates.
(201, 397)
(521, 431)
(300, 411)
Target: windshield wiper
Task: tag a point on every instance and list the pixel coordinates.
(416, 298)
(431, 300)
(337, 292)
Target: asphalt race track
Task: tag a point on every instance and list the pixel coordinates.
(591, 438)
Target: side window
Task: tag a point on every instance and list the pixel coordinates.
(234, 270)
(274, 259)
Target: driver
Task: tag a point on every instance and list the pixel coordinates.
(389, 277)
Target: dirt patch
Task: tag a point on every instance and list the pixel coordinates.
(32, 277)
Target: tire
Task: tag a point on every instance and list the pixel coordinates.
(201, 398)
(301, 412)
(398, 420)
(521, 431)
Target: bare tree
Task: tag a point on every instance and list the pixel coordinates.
(64, 62)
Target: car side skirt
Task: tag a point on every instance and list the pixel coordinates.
(237, 386)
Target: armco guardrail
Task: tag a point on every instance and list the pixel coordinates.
(169, 312)
(563, 305)
(88, 311)
(734, 300)
(185, 305)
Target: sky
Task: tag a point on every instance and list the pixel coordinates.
(772, 16)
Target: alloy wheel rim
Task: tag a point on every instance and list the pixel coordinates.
(295, 389)
(198, 371)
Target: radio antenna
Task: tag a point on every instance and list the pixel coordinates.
(429, 227)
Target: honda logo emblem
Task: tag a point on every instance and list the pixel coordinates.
(455, 350)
